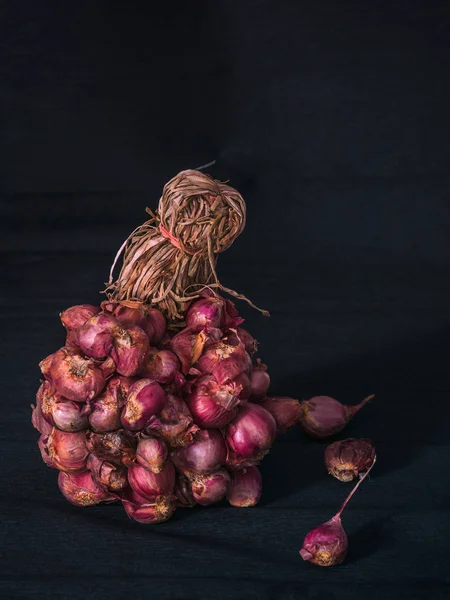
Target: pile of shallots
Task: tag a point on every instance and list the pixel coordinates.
(130, 411)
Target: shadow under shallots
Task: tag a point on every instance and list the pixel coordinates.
(405, 377)
(367, 540)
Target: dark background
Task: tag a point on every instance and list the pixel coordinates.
(332, 119)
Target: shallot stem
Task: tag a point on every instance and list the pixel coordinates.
(338, 514)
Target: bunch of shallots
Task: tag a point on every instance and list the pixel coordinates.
(130, 411)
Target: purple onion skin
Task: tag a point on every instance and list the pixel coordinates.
(188, 346)
(151, 485)
(108, 476)
(249, 435)
(205, 312)
(213, 405)
(115, 446)
(45, 451)
(147, 511)
(145, 399)
(95, 337)
(107, 408)
(206, 454)
(162, 366)
(76, 316)
(326, 545)
(323, 416)
(174, 423)
(245, 488)
(74, 376)
(80, 489)
(130, 350)
(67, 451)
(286, 411)
(251, 345)
(347, 459)
(208, 489)
(152, 454)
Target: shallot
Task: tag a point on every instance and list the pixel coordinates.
(286, 411)
(208, 489)
(80, 489)
(348, 459)
(151, 485)
(206, 454)
(147, 511)
(152, 453)
(145, 399)
(323, 416)
(249, 435)
(245, 487)
(327, 544)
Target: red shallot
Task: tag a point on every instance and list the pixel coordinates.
(322, 416)
(151, 485)
(206, 454)
(245, 488)
(286, 411)
(145, 399)
(348, 459)
(327, 544)
(147, 511)
(107, 475)
(174, 423)
(152, 453)
(208, 489)
(80, 489)
(249, 435)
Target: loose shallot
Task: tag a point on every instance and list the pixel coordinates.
(323, 416)
(327, 544)
(348, 459)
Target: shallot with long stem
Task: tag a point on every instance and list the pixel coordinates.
(327, 544)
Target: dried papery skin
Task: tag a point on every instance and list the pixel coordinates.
(162, 366)
(130, 350)
(348, 459)
(183, 492)
(206, 454)
(37, 418)
(245, 487)
(188, 346)
(107, 475)
(174, 423)
(44, 449)
(323, 416)
(205, 312)
(107, 408)
(67, 451)
(146, 511)
(152, 453)
(213, 405)
(74, 376)
(116, 446)
(208, 489)
(151, 485)
(225, 360)
(231, 316)
(107, 367)
(259, 380)
(251, 345)
(327, 544)
(145, 399)
(76, 316)
(95, 337)
(46, 364)
(249, 435)
(286, 411)
(80, 489)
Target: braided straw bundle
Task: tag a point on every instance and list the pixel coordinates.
(170, 258)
